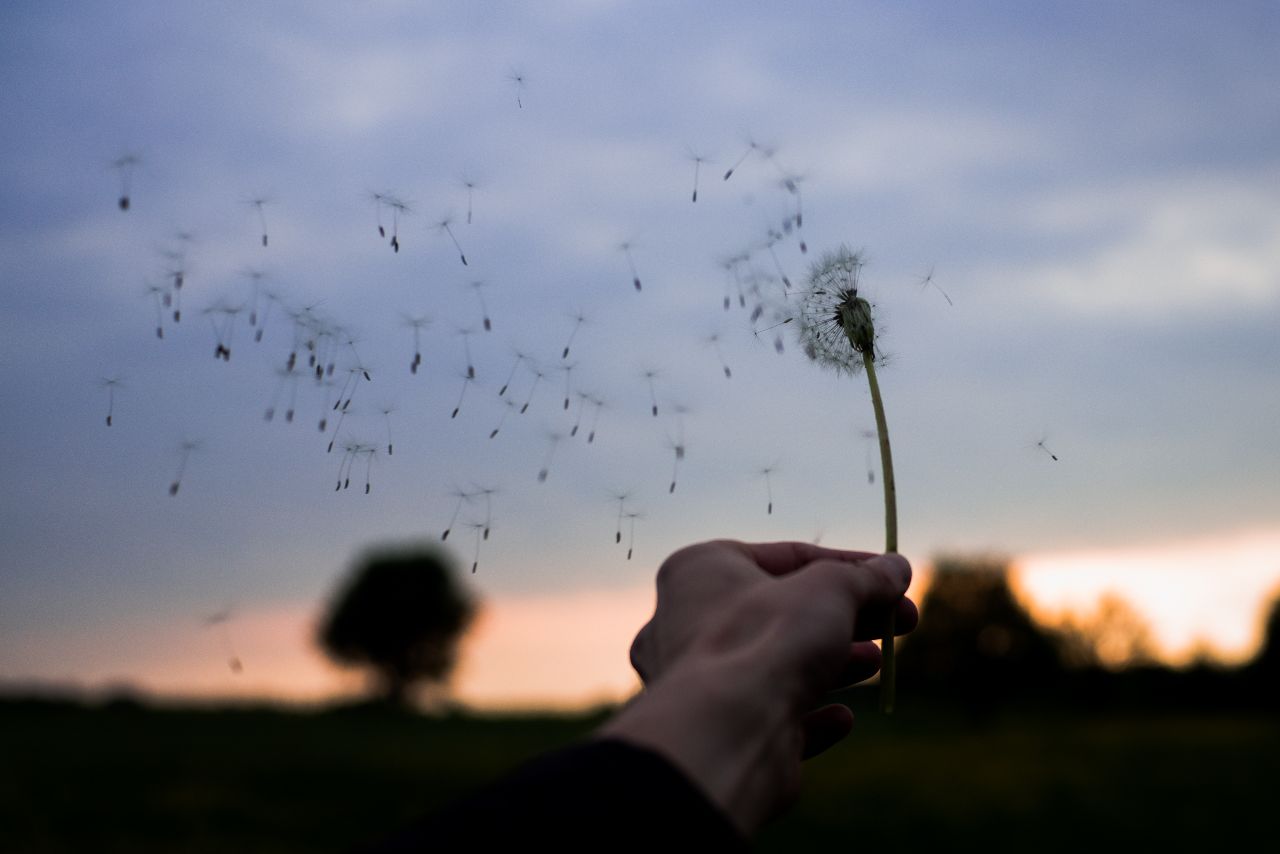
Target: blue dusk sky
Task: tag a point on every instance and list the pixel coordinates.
(1094, 189)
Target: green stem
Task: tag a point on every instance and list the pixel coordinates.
(888, 669)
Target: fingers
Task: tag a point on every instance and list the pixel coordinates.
(863, 663)
(823, 728)
(786, 557)
(873, 625)
(869, 586)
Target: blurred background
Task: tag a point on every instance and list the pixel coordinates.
(282, 286)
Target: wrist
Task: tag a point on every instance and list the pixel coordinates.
(734, 741)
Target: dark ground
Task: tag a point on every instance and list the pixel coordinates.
(127, 777)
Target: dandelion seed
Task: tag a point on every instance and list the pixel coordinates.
(125, 164)
(774, 238)
(713, 340)
(698, 160)
(379, 200)
(631, 537)
(868, 437)
(516, 78)
(260, 204)
(417, 324)
(595, 419)
(398, 209)
(478, 288)
(837, 330)
(222, 620)
(791, 183)
(386, 416)
(508, 406)
(466, 381)
(369, 452)
(463, 498)
(355, 373)
(337, 428)
(553, 442)
(537, 378)
(621, 498)
(465, 334)
(752, 146)
(650, 374)
(328, 386)
(349, 450)
(184, 453)
(520, 357)
(111, 384)
(677, 448)
(470, 186)
(359, 366)
(583, 399)
(478, 527)
(568, 383)
(444, 225)
(767, 473)
(255, 278)
(1044, 447)
(578, 319)
(927, 279)
(488, 493)
(286, 377)
(159, 294)
(222, 318)
(625, 248)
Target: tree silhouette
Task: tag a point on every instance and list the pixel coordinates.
(401, 614)
(976, 643)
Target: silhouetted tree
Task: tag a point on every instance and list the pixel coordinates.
(976, 643)
(1268, 658)
(401, 614)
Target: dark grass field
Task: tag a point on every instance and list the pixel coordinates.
(126, 777)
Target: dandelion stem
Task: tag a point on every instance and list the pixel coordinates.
(888, 669)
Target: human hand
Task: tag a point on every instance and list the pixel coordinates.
(745, 640)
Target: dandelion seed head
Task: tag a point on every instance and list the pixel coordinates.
(835, 322)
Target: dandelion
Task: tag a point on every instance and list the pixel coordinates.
(520, 357)
(478, 288)
(222, 318)
(927, 279)
(417, 324)
(125, 164)
(698, 160)
(110, 384)
(463, 497)
(650, 374)
(259, 204)
(222, 621)
(287, 377)
(625, 248)
(631, 536)
(837, 331)
(515, 77)
(184, 453)
(508, 406)
(595, 419)
(578, 319)
(713, 341)
(445, 226)
(488, 492)
(386, 416)
(467, 379)
(621, 498)
(470, 186)
(568, 383)
(767, 474)
(465, 335)
(537, 378)
(553, 442)
(868, 437)
(583, 399)
(752, 146)
(160, 294)
(478, 527)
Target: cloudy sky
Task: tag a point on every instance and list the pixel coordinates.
(1095, 188)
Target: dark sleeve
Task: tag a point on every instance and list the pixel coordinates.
(604, 795)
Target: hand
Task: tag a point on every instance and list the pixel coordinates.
(745, 640)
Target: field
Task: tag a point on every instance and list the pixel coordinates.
(127, 777)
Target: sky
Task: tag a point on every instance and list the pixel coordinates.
(1070, 216)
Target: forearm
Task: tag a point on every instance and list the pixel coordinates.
(732, 738)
